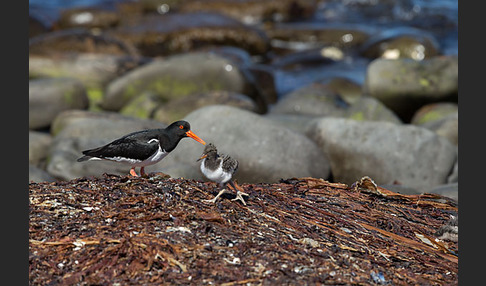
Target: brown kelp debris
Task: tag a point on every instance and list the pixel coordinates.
(301, 231)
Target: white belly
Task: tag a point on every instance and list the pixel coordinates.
(159, 155)
(217, 176)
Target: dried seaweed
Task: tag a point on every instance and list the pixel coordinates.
(118, 230)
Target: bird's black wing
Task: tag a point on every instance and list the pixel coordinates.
(129, 146)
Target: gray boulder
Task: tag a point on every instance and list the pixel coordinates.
(447, 127)
(39, 143)
(100, 18)
(401, 42)
(313, 99)
(447, 190)
(454, 176)
(404, 85)
(433, 112)
(386, 152)
(178, 108)
(296, 122)
(178, 76)
(442, 118)
(93, 70)
(50, 96)
(155, 35)
(266, 151)
(319, 100)
(38, 175)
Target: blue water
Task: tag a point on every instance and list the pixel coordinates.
(342, 10)
(439, 17)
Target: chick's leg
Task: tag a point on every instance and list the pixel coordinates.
(238, 193)
(217, 196)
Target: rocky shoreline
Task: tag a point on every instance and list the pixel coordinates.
(285, 97)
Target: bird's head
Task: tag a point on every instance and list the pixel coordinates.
(183, 128)
(209, 149)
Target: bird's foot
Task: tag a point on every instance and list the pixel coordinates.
(216, 197)
(239, 197)
(132, 172)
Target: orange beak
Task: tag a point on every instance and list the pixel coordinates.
(195, 137)
(202, 157)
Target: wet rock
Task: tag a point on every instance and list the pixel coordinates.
(78, 41)
(321, 100)
(389, 153)
(292, 37)
(237, 55)
(88, 17)
(405, 85)
(179, 108)
(396, 43)
(447, 127)
(261, 75)
(75, 131)
(50, 96)
(308, 58)
(38, 175)
(178, 76)
(305, 72)
(156, 35)
(95, 71)
(253, 12)
(39, 143)
(367, 108)
(131, 9)
(142, 106)
(256, 142)
(433, 112)
(348, 89)
(314, 99)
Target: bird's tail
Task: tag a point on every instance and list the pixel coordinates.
(84, 158)
(91, 154)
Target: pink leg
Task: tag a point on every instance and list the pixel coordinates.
(132, 172)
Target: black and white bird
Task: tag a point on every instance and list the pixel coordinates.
(143, 148)
(220, 168)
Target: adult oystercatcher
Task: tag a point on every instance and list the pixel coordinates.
(143, 148)
(220, 168)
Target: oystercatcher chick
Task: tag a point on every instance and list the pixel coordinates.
(220, 168)
(143, 148)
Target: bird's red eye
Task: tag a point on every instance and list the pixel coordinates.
(181, 127)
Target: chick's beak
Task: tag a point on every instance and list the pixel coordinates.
(195, 137)
(202, 157)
